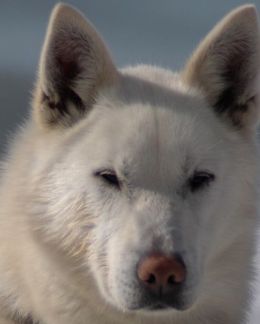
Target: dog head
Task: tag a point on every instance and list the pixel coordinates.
(144, 177)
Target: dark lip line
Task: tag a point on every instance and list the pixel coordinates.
(158, 307)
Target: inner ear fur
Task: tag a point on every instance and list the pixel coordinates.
(225, 67)
(74, 66)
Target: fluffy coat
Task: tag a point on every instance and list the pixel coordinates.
(70, 241)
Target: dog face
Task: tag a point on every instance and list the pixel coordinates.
(141, 167)
(157, 179)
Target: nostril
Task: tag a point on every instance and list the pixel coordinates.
(151, 279)
(171, 280)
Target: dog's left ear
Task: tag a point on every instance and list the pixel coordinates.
(225, 67)
(75, 66)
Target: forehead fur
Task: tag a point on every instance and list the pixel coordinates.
(140, 119)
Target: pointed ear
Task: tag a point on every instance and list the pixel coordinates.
(225, 67)
(74, 66)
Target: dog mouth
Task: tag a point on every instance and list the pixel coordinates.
(160, 306)
(173, 300)
(165, 307)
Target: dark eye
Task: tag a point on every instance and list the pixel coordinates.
(109, 176)
(200, 179)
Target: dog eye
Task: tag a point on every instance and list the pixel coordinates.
(200, 179)
(109, 176)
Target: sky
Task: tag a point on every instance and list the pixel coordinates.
(161, 32)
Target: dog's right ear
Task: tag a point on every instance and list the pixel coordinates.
(74, 66)
(226, 68)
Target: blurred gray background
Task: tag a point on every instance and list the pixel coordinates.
(160, 32)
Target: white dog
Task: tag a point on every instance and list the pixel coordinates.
(130, 196)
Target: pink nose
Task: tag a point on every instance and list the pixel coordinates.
(161, 272)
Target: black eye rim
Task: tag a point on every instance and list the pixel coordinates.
(109, 176)
(200, 180)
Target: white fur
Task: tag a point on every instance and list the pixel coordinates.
(70, 242)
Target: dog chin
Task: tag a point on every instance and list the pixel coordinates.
(153, 308)
(162, 308)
